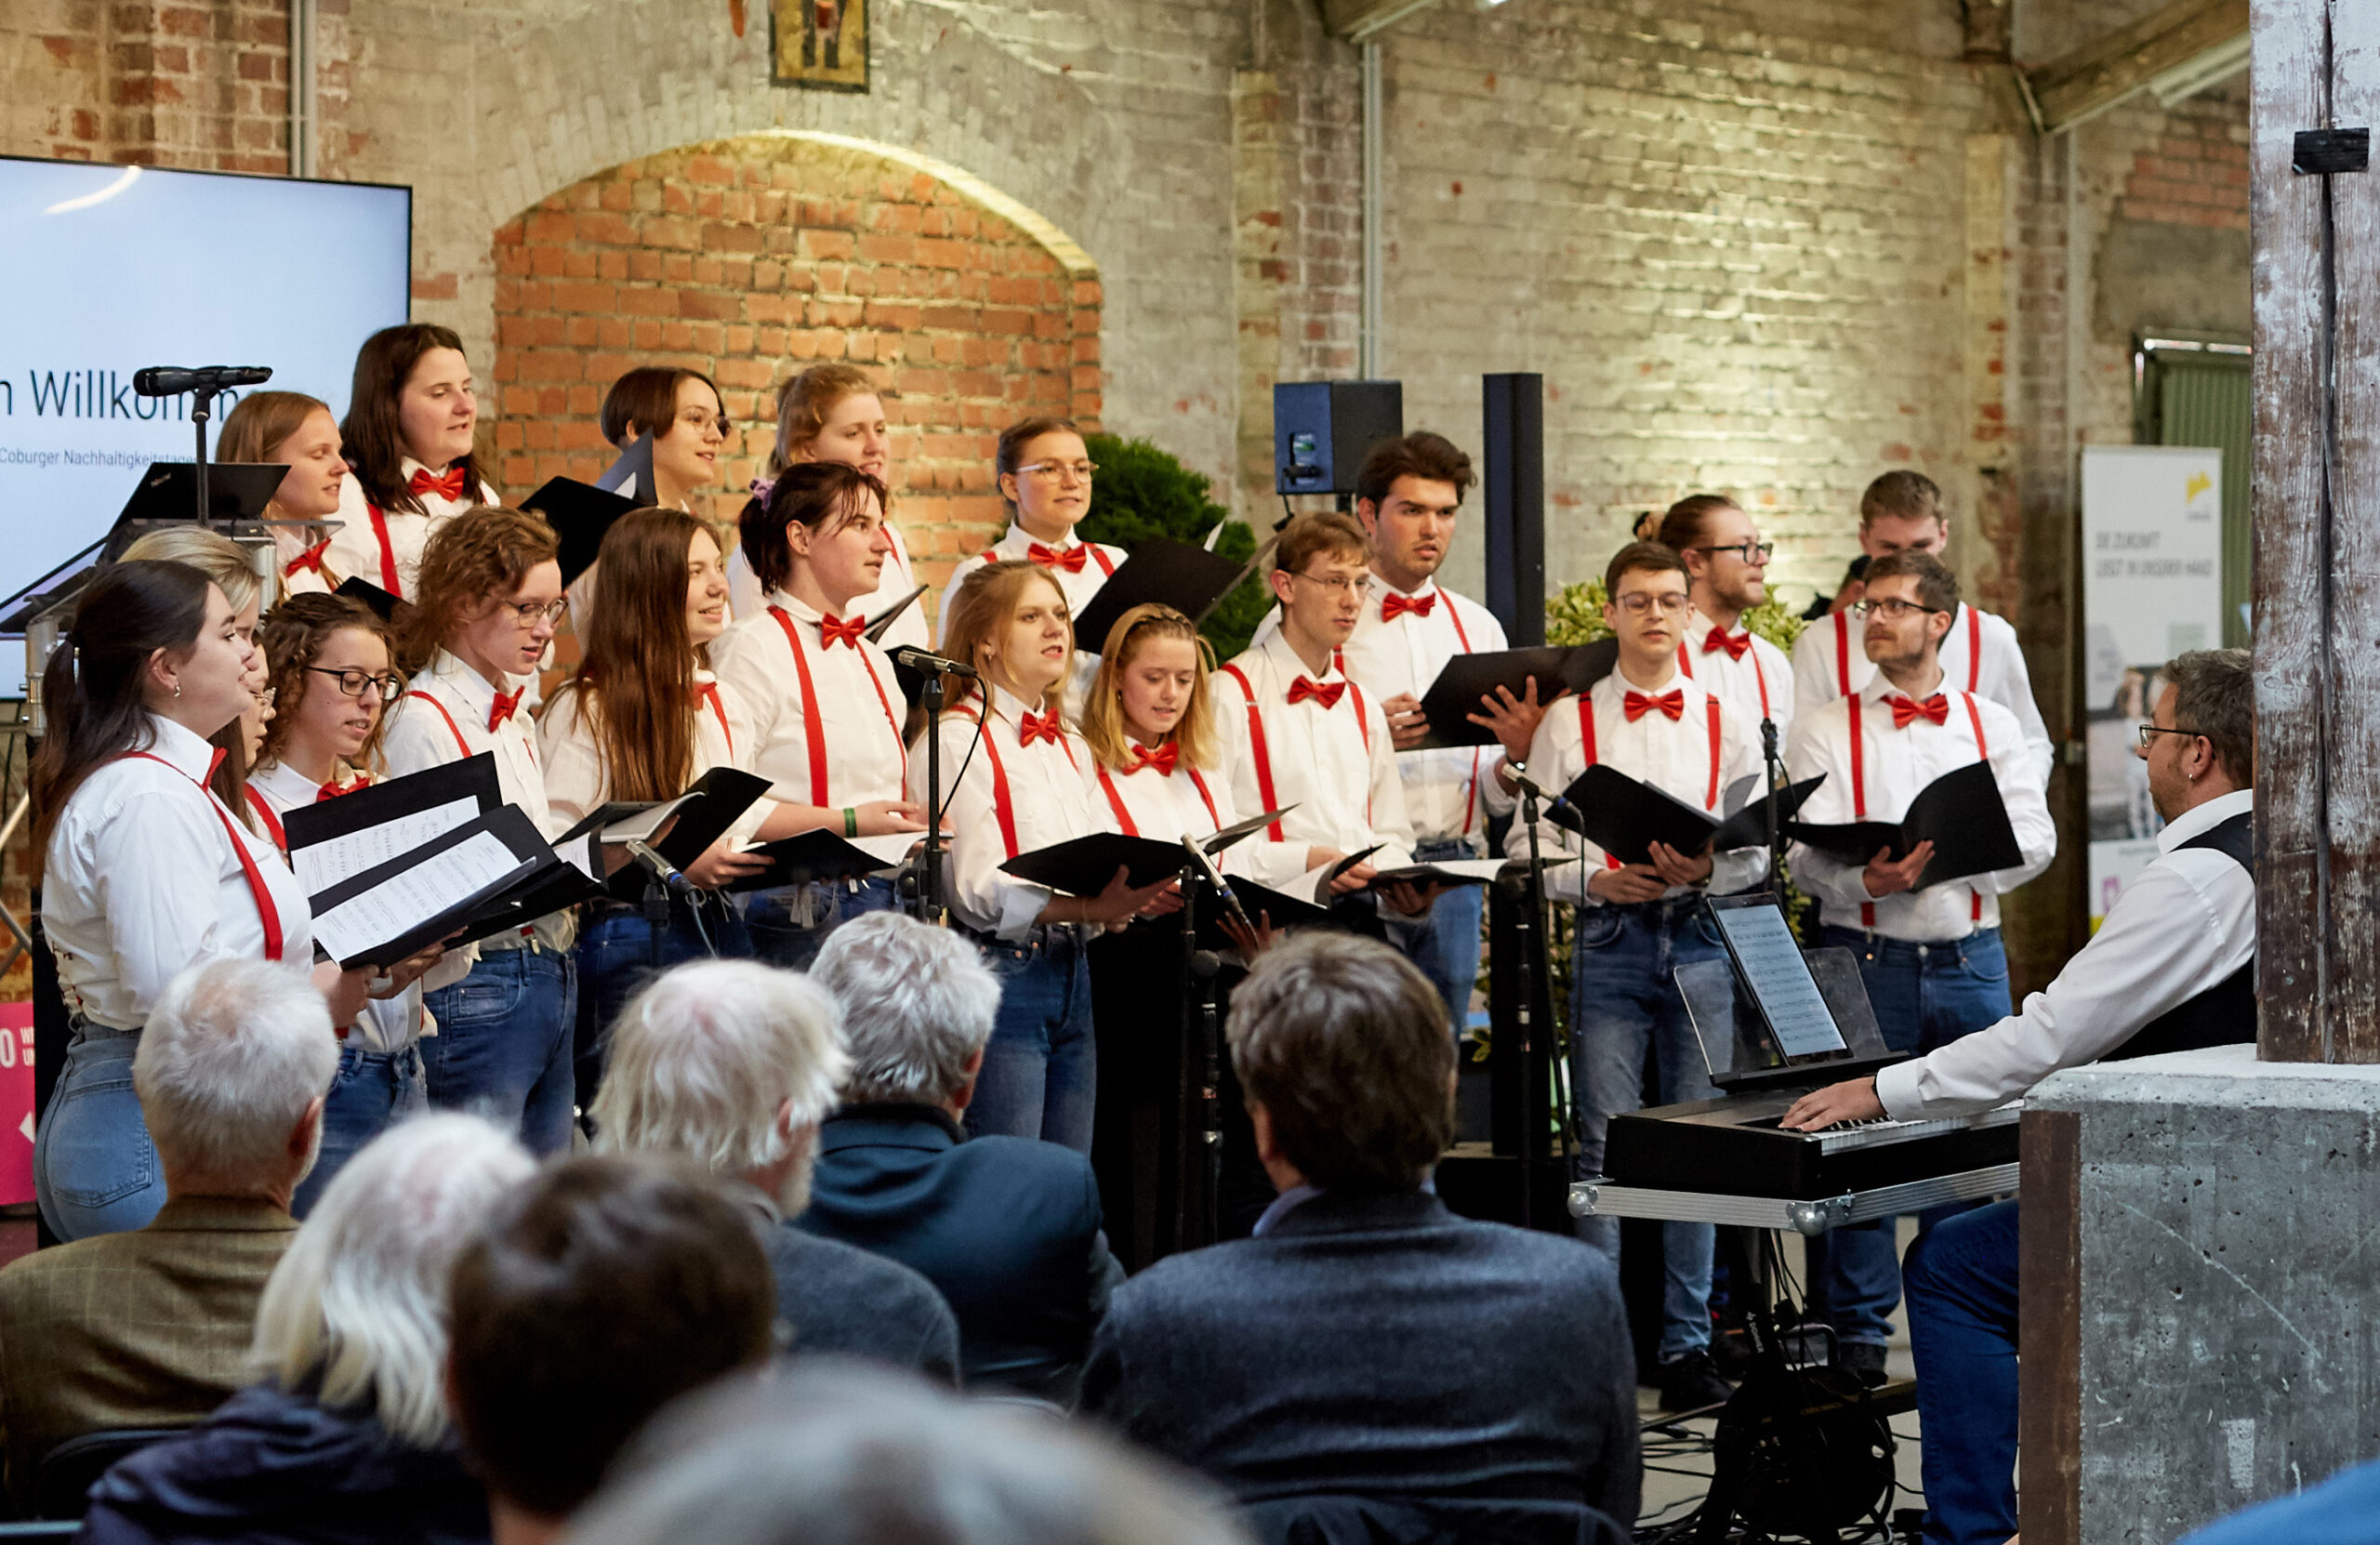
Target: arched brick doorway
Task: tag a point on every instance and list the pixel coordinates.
(752, 257)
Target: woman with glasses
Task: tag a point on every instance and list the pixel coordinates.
(1045, 472)
(1727, 566)
(327, 660)
(489, 599)
(681, 410)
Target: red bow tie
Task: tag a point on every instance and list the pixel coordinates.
(1050, 558)
(1393, 606)
(1936, 707)
(1033, 727)
(333, 790)
(501, 709)
(311, 559)
(833, 631)
(1301, 689)
(447, 484)
(1672, 703)
(1165, 759)
(1735, 644)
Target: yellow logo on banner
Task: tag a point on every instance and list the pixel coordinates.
(2199, 483)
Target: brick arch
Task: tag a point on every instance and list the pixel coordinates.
(752, 257)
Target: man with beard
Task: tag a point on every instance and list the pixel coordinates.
(1727, 564)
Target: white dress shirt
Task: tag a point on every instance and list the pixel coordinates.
(371, 544)
(2184, 926)
(853, 733)
(1894, 767)
(1164, 807)
(1017, 545)
(1044, 798)
(442, 718)
(1337, 766)
(386, 1025)
(141, 882)
(1757, 685)
(898, 578)
(578, 780)
(1672, 756)
(1450, 793)
(1980, 655)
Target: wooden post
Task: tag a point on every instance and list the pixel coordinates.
(2316, 538)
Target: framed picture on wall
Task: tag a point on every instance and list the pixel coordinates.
(821, 43)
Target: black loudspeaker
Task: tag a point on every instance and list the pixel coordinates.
(1322, 430)
(1515, 437)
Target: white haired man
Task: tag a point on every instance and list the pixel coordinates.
(733, 1065)
(346, 1436)
(1006, 1227)
(148, 1328)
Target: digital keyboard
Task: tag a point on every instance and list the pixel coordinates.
(1734, 1147)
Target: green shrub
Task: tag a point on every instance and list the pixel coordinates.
(1143, 491)
(1575, 616)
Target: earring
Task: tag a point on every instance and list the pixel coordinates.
(178, 689)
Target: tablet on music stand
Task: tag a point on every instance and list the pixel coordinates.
(1773, 1014)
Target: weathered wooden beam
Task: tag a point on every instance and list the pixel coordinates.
(2098, 76)
(1357, 19)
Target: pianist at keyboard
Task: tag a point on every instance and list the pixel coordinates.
(2170, 969)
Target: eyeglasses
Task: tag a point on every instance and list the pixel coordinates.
(1750, 552)
(1062, 471)
(1892, 609)
(2148, 732)
(530, 612)
(1342, 584)
(1672, 604)
(264, 696)
(352, 682)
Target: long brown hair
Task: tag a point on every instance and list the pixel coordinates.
(91, 688)
(472, 563)
(292, 637)
(1104, 729)
(636, 681)
(822, 496)
(986, 601)
(262, 420)
(374, 442)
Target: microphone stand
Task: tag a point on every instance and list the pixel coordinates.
(1773, 768)
(1201, 967)
(201, 408)
(929, 909)
(1530, 925)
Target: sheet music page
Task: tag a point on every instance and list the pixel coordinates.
(325, 863)
(1780, 979)
(413, 897)
(640, 826)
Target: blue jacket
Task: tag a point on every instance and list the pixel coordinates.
(1007, 1228)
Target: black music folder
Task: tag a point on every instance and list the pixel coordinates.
(811, 857)
(1083, 866)
(687, 825)
(1190, 579)
(453, 884)
(167, 495)
(1961, 812)
(1467, 679)
(1625, 818)
(384, 606)
(581, 515)
(1260, 902)
(882, 622)
(333, 839)
(631, 476)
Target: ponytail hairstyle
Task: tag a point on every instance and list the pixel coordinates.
(985, 602)
(803, 403)
(822, 495)
(226, 564)
(471, 565)
(373, 440)
(1104, 727)
(292, 638)
(93, 686)
(636, 681)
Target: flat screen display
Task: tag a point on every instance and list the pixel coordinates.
(1770, 961)
(109, 269)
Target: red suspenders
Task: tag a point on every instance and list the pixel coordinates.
(1860, 786)
(266, 912)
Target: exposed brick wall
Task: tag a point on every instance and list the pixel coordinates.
(2197, 172)
(751, 259)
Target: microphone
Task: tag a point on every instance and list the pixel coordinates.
(1205, 864)
(172, 380)
(1559, 811)
(661, 868)
(932, 665)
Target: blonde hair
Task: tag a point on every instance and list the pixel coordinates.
(223, 560)
(986, 600)
(803, 403)
(1104, 729)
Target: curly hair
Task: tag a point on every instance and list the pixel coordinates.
(471, 564)
(292, 637)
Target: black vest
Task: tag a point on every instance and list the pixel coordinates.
(2226, 1013)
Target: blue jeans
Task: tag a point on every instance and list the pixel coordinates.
(502, 1048)
(371, 1092)
(1962, 1281)
(616, 957)
(781, 940)
(1042, 1064)
(95, 1170)
(1925, 996)
(1444, 943)
(1624, 999)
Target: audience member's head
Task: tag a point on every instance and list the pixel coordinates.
(918, 1006)
(356, 1311)
(2204, 722)
(592, 1296)
(729, 1063)
(832, 1455)
(232, 1071)
(1343, 1049)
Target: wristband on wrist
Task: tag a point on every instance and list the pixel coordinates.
(850, 821)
